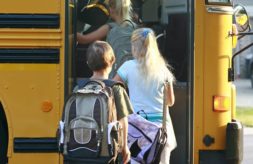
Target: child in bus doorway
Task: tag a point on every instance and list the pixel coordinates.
(118, 32)
(100, 60)
(144, 77)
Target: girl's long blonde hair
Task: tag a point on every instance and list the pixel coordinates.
(123, 8)
(145, 50)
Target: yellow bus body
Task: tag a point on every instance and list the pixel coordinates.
(32, 94)
(25, 88)
(213, 54)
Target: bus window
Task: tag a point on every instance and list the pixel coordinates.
(173, 25)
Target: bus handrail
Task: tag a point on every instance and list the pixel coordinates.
(231, 75)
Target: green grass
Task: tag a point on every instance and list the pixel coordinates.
(245, 115)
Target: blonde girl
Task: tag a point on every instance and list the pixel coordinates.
(144, 77)
(117, 33)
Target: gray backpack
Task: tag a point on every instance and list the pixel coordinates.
(90, 132)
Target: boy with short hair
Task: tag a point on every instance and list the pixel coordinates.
(100, 59)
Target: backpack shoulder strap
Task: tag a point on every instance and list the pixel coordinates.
(111, 83)
(82, 82)
(130, 22)
(85, 81)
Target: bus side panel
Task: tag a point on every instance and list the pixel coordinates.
(217, 57)
(199, 34)
(27, 90)
(212, 60)
(37, 158)
(30, 6)
(32, 77)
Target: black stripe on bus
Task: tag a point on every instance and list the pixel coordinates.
(29, 20)
(33, 145)
(29, 56)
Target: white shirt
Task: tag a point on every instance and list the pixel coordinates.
(142, 98)
(150, 100)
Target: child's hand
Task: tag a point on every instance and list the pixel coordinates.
(126, 155)
(78, 36)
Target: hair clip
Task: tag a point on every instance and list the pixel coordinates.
(145, 32)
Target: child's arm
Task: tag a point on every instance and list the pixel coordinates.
(93, 36)
(118, 78)
(125, 149)
(170, 94)
(124, 108)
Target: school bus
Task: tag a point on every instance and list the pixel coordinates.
(40, 64)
